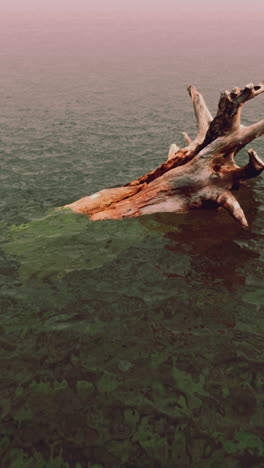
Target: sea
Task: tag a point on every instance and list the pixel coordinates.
(133, 343)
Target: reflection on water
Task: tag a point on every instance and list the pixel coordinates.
(132, 344)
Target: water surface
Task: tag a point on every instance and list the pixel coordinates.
(134, 343)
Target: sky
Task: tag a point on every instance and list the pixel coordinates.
(237, 9)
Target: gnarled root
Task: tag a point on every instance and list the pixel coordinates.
(204, 170)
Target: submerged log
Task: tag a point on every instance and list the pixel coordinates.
(201, 174)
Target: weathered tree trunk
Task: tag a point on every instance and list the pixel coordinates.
(200, 174)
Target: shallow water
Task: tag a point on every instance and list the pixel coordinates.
(134, 343)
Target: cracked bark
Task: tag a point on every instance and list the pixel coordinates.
(201, 172)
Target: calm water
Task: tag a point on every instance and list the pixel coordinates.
(134, 343)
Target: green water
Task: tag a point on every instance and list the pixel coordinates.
(134, 343)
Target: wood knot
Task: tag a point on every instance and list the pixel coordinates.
(217, 167)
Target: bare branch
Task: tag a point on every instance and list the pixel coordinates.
(226, 199)
(228, 118)
(253, 131)
(173, 150)
(202, 113)
(249, 92)
(187, 138)
(254, 167)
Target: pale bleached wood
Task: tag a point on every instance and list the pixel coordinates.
(253, 131)
(202, 113)
(173, 150)
(203, 171)
(226, 199)
(187, 138)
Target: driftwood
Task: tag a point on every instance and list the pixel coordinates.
(201, 174)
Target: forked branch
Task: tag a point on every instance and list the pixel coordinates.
(228, 117)
(254, 167)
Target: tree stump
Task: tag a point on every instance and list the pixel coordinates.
(201, 174)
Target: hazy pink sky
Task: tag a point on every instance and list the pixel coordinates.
(237, 8)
